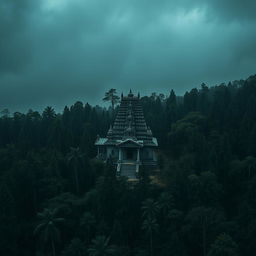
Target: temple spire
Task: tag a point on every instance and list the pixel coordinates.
(130, 93)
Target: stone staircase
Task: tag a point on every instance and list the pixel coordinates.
(128, 170)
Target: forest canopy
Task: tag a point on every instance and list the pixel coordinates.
(56, 198)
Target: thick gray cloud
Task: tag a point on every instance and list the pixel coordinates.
(54, 52)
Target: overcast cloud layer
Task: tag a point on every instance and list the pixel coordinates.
(55, 52)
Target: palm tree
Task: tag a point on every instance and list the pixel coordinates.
(150, 208)
(49, 113)
(112, 97)
(75, 157)
(223, 245)
(150, 226)
(100, 247)
(165, 202)
(47, 227)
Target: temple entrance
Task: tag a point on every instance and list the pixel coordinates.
(129, 154)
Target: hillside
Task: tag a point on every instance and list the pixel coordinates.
(57, 199)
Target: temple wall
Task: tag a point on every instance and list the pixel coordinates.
(102, 153)
(147, 154)
(112, 152)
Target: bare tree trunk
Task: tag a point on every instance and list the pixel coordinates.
(113, 106)
(35, 199)
(53, 247)
(151, 244)
(204, 237)
(77, 181)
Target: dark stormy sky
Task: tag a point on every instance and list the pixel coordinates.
(55, 52)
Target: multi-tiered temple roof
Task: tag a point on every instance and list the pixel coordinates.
(129, 124)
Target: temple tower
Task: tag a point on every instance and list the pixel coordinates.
(129, 142)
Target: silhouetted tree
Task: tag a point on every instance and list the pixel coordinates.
(111, 96)
(47, 227)
(100, 247)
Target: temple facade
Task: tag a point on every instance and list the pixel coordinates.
(129, 142)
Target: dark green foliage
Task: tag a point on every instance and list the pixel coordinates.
(204, 204)
(100, 247)
(223, 246)
(75, 248)
(47, 229)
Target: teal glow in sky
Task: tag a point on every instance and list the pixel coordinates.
(55, 52)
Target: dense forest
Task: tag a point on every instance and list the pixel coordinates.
(56, 198)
